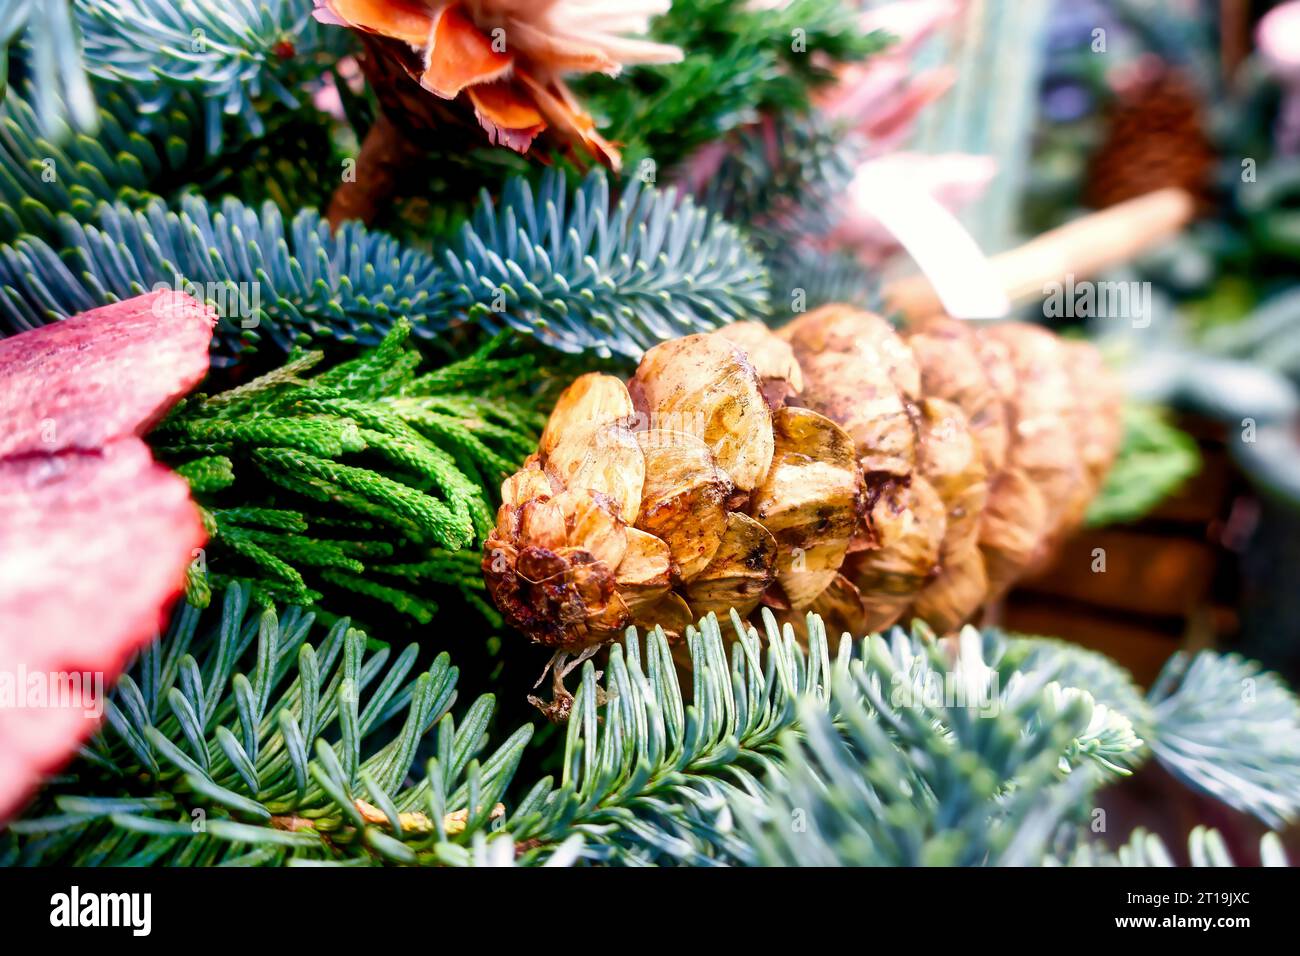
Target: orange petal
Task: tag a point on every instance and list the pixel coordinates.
(561, 110)
(509, 117)
(504, 106)
(407, 20)
(460, 55)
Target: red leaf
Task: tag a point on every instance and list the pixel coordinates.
(102, 374)
(94, 536)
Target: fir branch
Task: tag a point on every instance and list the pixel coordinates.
(1218, 722)
(651, 782)
(232, 55)
(307, 757)
(1226, 726)
(286, 283)
(59, 74)
(837, 806)
(784, 174)
(1205, 847)
(782, 180)
(583, 276)
(741, 62)
(805, 277)
(136, 155)
(280, 762)
(242, 743)
(45, 172)
(1073, 666)
(656, 780)
(566, 268)
(661, 781)
(934, 759)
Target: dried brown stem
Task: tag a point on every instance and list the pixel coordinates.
(385, 154)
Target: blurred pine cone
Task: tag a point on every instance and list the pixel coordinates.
(833, 466)
(1155, 136)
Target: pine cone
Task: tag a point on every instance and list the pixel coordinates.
(833, 466)
(1155, 137)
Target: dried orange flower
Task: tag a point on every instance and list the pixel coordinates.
(508, 58)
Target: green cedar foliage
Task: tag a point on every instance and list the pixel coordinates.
(366, 477)
(1154, 461)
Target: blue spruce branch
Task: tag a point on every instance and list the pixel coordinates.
(569, 269)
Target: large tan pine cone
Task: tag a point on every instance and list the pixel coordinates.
(832, 466)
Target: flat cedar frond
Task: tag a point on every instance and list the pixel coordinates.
(351, 476)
